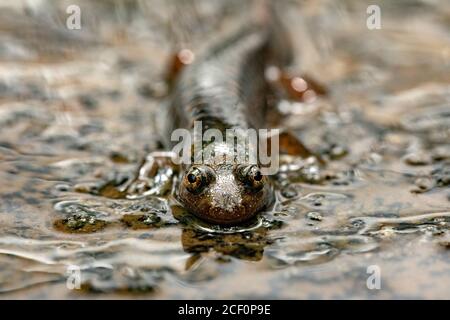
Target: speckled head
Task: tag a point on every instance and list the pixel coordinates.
(225, 194)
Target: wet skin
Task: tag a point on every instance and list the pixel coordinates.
(226, 89)
(224, 193)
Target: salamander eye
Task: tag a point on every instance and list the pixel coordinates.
(251, 176)
(197, 178)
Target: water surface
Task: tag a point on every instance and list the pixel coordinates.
(77, 119)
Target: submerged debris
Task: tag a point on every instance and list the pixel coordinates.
(77, 111)
(315, 216)
(80, 223)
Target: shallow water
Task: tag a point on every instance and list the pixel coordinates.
(77, 110)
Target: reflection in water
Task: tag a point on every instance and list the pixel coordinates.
(82, 185)
(247, 246)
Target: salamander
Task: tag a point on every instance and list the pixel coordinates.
(226, 88)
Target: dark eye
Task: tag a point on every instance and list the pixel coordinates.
(251, 176)
(196, 179)
(192, 177)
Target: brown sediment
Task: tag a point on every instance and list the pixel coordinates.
(327, 225)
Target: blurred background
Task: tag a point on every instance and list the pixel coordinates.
(77, 114)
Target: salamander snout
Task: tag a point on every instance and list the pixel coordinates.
(225, 194)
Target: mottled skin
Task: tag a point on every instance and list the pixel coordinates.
(226, 89)
(224, 193)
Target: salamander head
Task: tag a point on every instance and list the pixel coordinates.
(225, 194)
